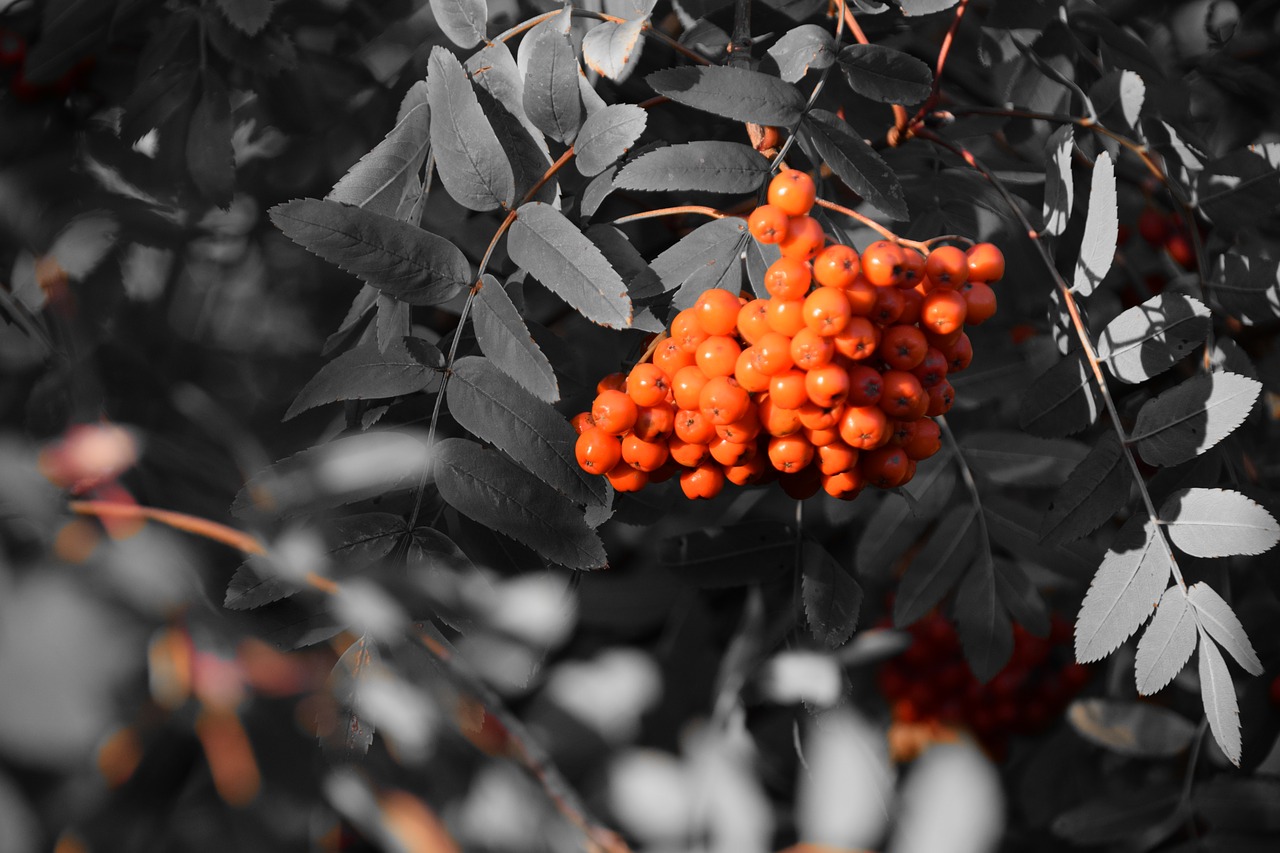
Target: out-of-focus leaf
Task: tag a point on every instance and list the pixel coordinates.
(1014, 526)
(1152, 812)
(1061, 401)
(399, 259)
(1013, 458)
(734, 93)
(463, 21)
(706, 257)
(248, 16)
(1124, 591)
(367, 372)
(1239, 190)
(1217, 618)
(472, 165)
(1248, 288)
(1218, 523)
(938, 566)
(737, 555)
(806, 47)
(69, 31)
(952, 800)
(704, 166)
(1219, 696)
(484, 486)
(505, 339)
(613, 49)
(855, 162)
(1101, 229)
(492, 406)
(352, 733)
(844, 797)
(606, 136)
(378, 179)
(896, 524)
(561, 257)
(1021, 598)
(1167, 644)
(1131, 728)
(1148, 339)
(1188, 419)
(884, 74)
(210, 158)
(551, 99)
(985, 632)
(1235, 802)
(832, 598)
(1095, 491)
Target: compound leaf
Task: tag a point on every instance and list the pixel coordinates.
(1217, 523)
(606, 135)
(376, 182)
(884, 74)
(704, 258)
(1218, 693)
(734, 93)
(1217, 618)
(1148, 339)
(938, 566)
(832, 598)
(463, 21)
(1167, 644)
(706, 166)
(1192, 417)
(367, 372)
(1095, 491)
(855, 162)
(1101, 228)
(1124, 590)
(806, 47)
(471, 163)
(551, 99)
(1061, 401)
(505, 339)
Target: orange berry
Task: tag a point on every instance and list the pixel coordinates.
(624, 478)
(909, 474)
(773, 354)
(703, 482)
(836, 457)
(858, 340)
(809, 350)
(790, 453)
(654, 422)
(862, 297)
(979, 301)
(581, 422)
(749, 471)
(743, 430)
(925, 440)
(900, 432)
(813, 416)
(644, 455)
(786, 316)
(694, 427)
(845, 485)
(670, 356)
(753, 320)
(614, 412)
(724, 400)
(827, 311)
(729, 453)
(940, 341)
(837, 266)
(688, 454)
(788, 278)
(932, 369)
(597, 451)
(912, 268)
(959, 354)
(775, 419)
(768, 223)
(912, 302)
(717, 311)
(902, 395)
(882, 263)
(718, 355)
(687, 331)
(686, 386)
(747, 371)
(804, 239)
(612, 382)
(648, 384)
(865, 386)
(940, 399)
(903, 347)
(864, 427)
(827, 386)
(823, 437)
(986, 263)
(788, 390)
(793, 192)
(889, 306)
(943, 312)
(947, 266)
(884, 467)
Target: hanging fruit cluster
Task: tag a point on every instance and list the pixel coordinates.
(931, 691)
(830, 383)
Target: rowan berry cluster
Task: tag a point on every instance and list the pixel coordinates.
(930, 683)
(829, 383)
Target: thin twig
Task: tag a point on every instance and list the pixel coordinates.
(698, 209)
(900, 118)
(865, 220)
(970, 484)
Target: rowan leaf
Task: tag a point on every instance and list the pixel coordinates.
(1059, 188)
(551, 99)
(1167, 644)
(560, 256)
(491, 490)
(492, 406)
(1218, 523)
(804, 48)
(210, 157)
(1218, 693)
(855, 162)
(463, 21)
(705, 166)
(471, 163)
(377, 181)
(1094, 492)
(606, 136)
(940, 563)
(1217, 618)
(1009, 457)
(1148, 339)
(1061, 401)
(353, 732)
(247, 16)
(707, 257)
(832, 598)
(925, 7)
(731, 556)
(613, 49)
(367, 372)
(734, 93)
(505, 339)
(986, 634)
(526, 149)
(1248, 287)
(1131, 728)
(1101, 228)
(1124, 590)
(896, 524)
(1190, 418)
(884, 74)
(1021, 598)
(399, 259)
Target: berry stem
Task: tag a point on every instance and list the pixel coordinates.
(671, 211)
(865, 220)
(900, 118)
(944, 50)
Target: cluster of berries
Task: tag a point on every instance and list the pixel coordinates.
(1168, 232)
(830, 383)
(929, 686)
